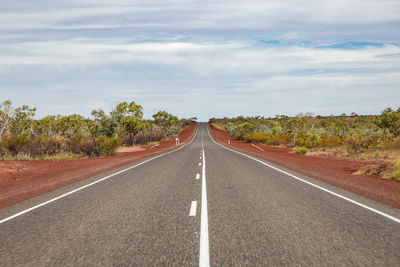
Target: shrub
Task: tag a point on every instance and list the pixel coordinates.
(301, 150)
(107, 145)
(327, 141)
(394, 170)
(256, 138)
(312, 140)
(41, 146)
(86, 147)
(15, 143)
(230, 128)
(154, 135)
(73, 145)
(140, 138)
(359, 142)
(277, 139)
(242, 129)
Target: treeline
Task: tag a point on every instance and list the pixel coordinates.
(23, 137)
(357, 133)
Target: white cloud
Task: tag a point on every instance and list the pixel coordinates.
(184, 55)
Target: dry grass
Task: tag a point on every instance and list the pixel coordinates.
(393, 172)
(218, 126)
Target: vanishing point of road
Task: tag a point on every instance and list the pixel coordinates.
(202, 204)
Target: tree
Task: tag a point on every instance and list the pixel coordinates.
(23, 120)
(295, 126)
(389, 120)
(129, 116)
(45, 126)
(70, 126)
(106, 125)
(166, 122)
(6, 116)
(276, 128)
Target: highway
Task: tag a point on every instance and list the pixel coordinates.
(202, 205)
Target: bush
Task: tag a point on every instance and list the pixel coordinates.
(242, 129)
(87, 148)
(277, 139)
(327, 141)
(359, 142)
(256, 138)
(41, 146)
(73, 145)
(14, 144)
(230, 128)
(140, 138)
(394, 170)
(107, 145)
(301, 150)
(312, 140)
(154, 135)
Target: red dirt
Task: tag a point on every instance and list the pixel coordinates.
(334, 171)
(21, 180)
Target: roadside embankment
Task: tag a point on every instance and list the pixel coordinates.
(334, 171)
(21, 180)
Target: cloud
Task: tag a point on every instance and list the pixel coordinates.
(208, 58)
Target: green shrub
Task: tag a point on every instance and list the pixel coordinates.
(301, 150)
(360, 142)
(242, 129)
(15, 143)
(230, 128)
(312, 140)
(107, 145)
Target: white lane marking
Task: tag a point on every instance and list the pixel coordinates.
(95, 182)
(204, 259)
(193, 208)
(309, 183)
(197, 176)
(200, 164)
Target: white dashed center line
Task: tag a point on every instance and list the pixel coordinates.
(193, 208)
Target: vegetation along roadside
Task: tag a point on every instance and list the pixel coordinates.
(69, 136)
(363, 137)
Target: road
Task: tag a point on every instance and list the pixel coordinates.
(201, 205)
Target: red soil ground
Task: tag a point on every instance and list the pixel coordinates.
(21, 180)
(334, 171)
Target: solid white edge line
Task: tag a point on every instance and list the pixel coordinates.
(193, 208)
(204, 257)
(309, 183)
(95, 182)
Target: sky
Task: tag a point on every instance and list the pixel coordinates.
(201, 58)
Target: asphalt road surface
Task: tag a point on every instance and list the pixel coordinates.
(200, 205)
